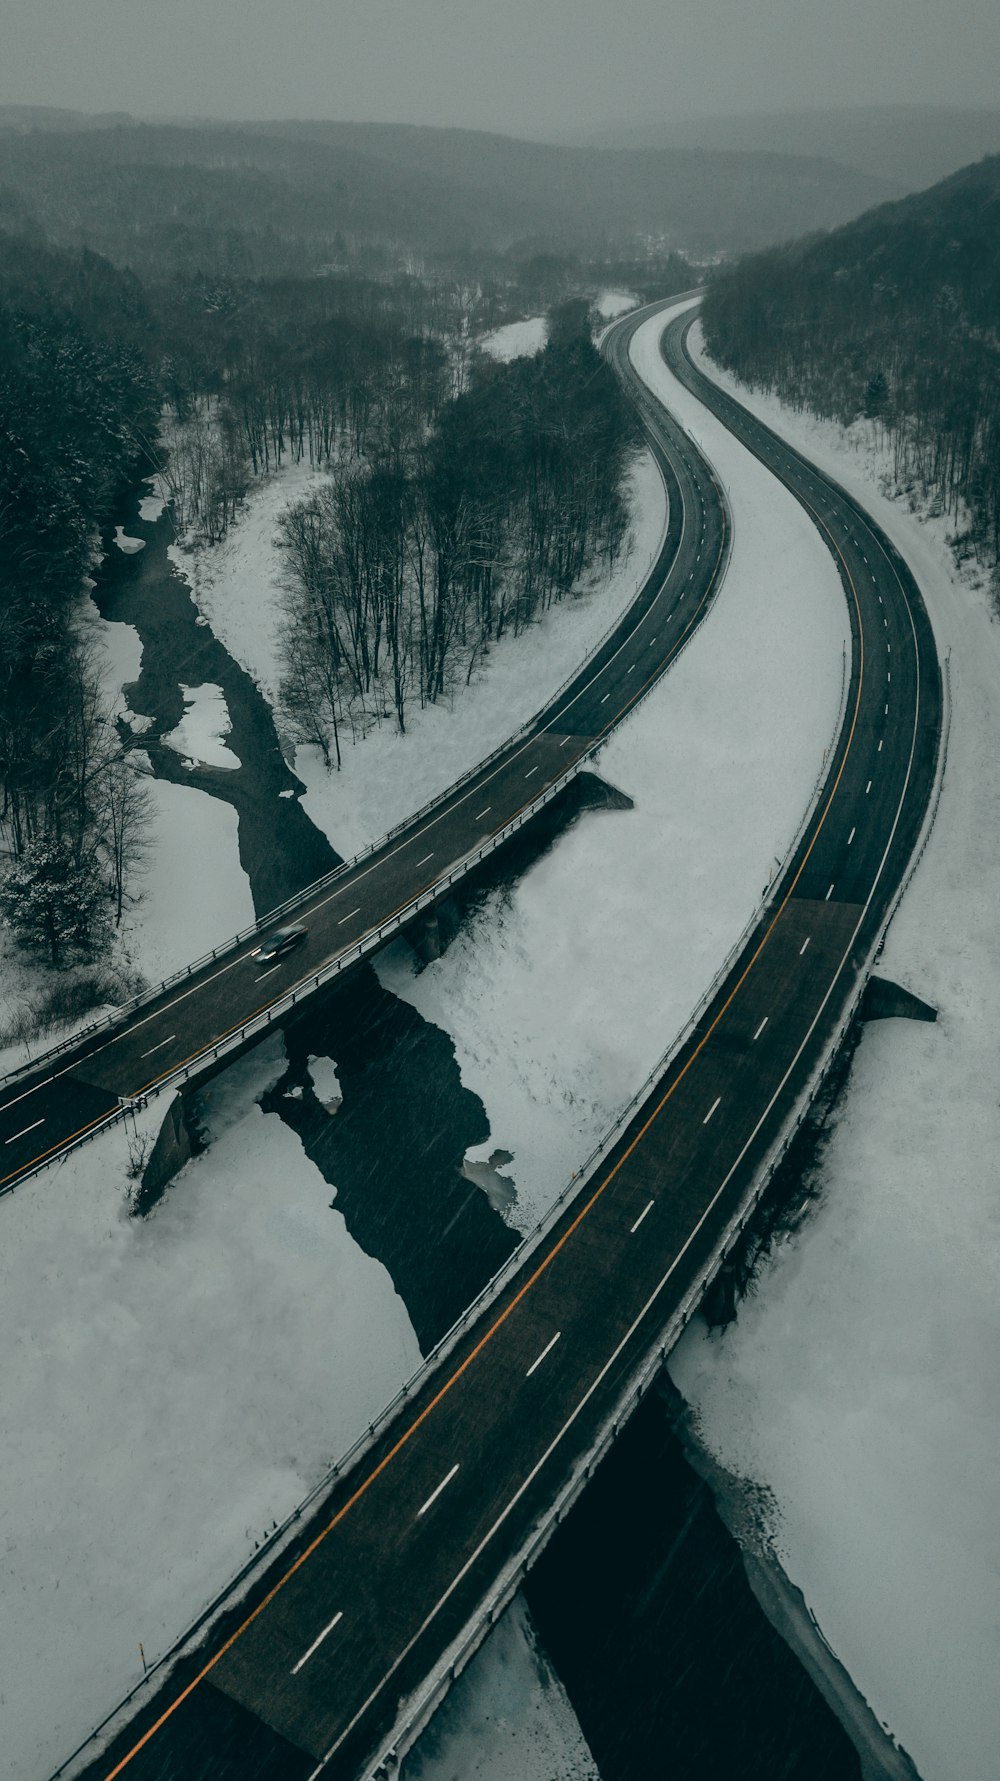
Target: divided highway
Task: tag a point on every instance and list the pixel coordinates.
(311, 1673)
(167, 1037)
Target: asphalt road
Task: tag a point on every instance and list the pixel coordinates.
(310, 1668)
(72, 1093)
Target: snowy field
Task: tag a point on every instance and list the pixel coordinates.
(171, 1394)
(515, 340)
(556, 1026)
(614, 303)
(861, 1385)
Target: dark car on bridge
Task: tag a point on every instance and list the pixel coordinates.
(281, 941)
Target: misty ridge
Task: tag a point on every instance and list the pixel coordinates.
(133, 190)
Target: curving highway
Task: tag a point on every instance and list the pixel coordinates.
(315, 1671)
(169, 1037)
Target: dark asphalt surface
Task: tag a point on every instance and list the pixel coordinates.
(402, 1550)
(45, 1111)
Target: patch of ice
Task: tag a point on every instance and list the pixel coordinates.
(130, 547)
(325, 1081)
(151, 506)
(199, 735)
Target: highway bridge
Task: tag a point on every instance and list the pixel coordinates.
(177, 1033)
(321, 1667)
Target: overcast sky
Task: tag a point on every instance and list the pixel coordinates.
(525, 66)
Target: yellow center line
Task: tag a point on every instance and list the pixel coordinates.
(557, 1248)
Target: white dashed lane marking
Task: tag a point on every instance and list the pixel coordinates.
(546, 1350)
(436, 1493)
(306, 1655)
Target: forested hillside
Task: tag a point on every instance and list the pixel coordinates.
(895, 317)
(253, 200)
(77, 414)
(405, 568)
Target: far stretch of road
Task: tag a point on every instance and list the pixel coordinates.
(310, 1674)
(73, 1093)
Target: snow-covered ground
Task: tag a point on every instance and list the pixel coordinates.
(176, 1385)
(614, 303)
(561, 998)
(506, 1719)
(387, 776)
(237, 584)
(180, 913)
(515, 340)
(194, 891)
(200, 735)
(861, 1384)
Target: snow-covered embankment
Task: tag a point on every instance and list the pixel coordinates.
(861, 1385)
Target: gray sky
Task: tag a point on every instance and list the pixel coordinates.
(526, 66)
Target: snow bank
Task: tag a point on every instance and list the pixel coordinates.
(176, 1385)
(516, 339)
(199, 734)
(386, 777)
(507, 1718)
(194, 891)
(151, 506)
(861, 1385)
(237, 584)
(563, 996)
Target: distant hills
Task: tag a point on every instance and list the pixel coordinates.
(912, 145)
(51, 117)
(255, 196)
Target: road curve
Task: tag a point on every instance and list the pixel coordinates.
(312, 1670)
(165, 1038)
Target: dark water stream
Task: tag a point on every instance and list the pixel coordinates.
(641, 1599)
(672, 1667)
